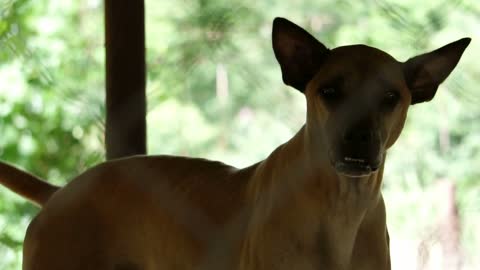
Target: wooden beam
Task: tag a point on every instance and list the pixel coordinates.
(125, 132)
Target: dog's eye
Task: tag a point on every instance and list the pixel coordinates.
(329, 93)
(390, 99)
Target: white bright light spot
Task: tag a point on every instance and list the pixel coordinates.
(26, 145)
(20, 122)
(77, 132)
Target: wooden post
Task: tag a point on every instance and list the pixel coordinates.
(125, 132)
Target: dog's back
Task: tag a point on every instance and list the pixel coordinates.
(141, 213)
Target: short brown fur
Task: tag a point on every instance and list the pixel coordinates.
(314, 203)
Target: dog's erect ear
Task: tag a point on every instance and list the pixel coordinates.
(424, 73)
(298, 53)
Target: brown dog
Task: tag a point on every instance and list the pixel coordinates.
(314, 203)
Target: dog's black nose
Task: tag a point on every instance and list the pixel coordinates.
(358, 136)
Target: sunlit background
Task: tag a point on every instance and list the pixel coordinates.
(215, 90)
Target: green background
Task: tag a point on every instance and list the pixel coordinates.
(52, 94)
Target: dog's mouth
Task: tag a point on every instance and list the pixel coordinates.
(354, 167)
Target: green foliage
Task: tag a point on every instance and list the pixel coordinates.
(215, 91)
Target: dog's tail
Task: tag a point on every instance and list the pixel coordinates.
(29, 186)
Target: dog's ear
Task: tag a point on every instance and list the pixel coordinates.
(424, 73)
(298, 53)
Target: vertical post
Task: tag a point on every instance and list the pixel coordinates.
(125, 132)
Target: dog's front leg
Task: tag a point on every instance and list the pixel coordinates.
(372, 247)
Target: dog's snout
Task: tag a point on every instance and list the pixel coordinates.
(358, 136)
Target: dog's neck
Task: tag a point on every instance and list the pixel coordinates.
(302, 165)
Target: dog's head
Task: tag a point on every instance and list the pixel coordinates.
(357, 96)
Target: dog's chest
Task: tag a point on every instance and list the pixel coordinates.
(304, 238)
(326, 247)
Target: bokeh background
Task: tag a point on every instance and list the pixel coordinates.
(215, 91)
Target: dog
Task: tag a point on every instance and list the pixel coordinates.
(314, 203)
